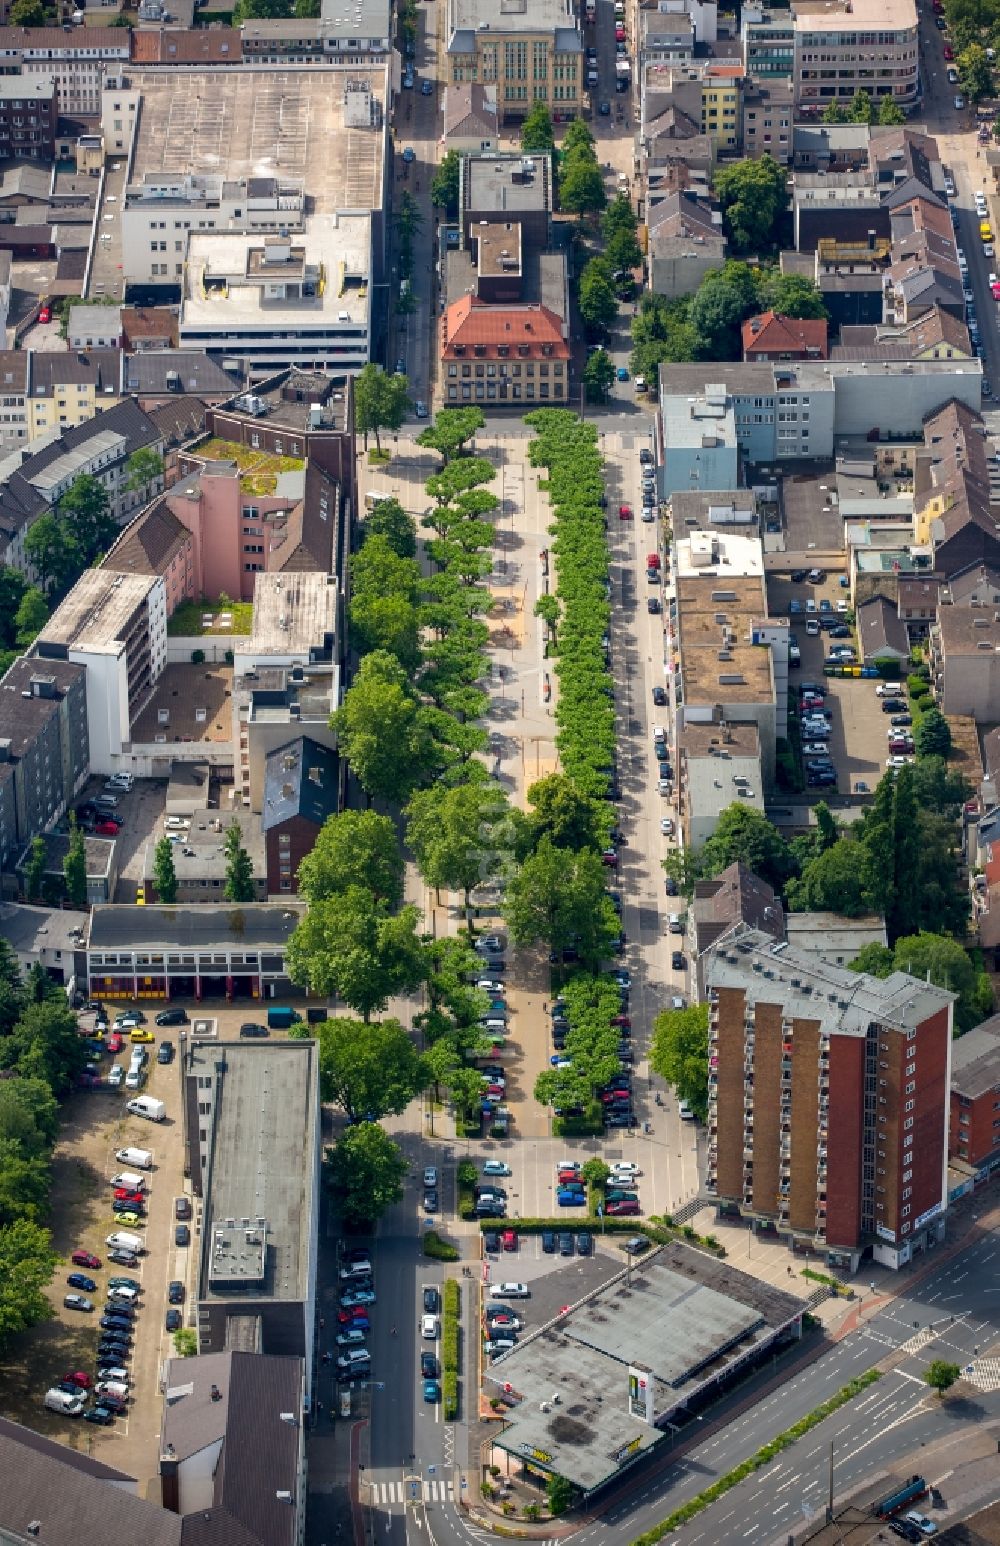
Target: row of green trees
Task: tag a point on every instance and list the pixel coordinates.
(42, 1056)
(706, 325)
(885, 111)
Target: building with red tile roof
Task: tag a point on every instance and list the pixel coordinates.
(503, 353)
(773, 337)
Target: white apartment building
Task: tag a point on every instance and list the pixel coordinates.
(161, 212)
(281, 301)
(844, 46)
(78, 61)
(116, 626)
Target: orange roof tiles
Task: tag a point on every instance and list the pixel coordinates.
(471, 323)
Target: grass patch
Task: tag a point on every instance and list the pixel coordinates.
(438, 1249)
(378, 458)
(449, 1347)
(258, 470)
(187, 623)
(761, 1458)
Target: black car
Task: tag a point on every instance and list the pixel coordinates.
(565, 1243)
(893, 705)
(428, 1366)
(670, 886)
(175, 1293)
(182, 1234)
(585, 1244)
(172, 1017)
(491, 1240)
(173, 1320)
(653, 604)
(102, 1415)
(659, 695)
(431, 1300)
(165, 1052)
(548, 1241)
(677, 961)
(840, 631)
(646, 457)
(635, 1245)
(798, 575)
(252, 1029)
(430, 1201)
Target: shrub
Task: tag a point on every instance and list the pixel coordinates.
(197, 657)
(467, 1173)
(438, 1249)
(449, 1348)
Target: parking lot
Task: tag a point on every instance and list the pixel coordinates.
(856, 737)
(140, 811)
(95, 1124)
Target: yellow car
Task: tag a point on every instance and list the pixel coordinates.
(140, 896)
(141, 1035)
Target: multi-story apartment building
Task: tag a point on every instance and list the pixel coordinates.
(29, 112)
(529, 53)
(44, 749)
(34, 478)
(362, 35)
(811, 1063)
(159, 213)
(844, 46)
(116, 626)
(974, 1132)
(77, 60)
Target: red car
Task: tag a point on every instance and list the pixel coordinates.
(115, 1041)
(619, 33)
(624, 512)
(78, 1378)
(45, 315)
(618, 1210)
(106, 828)
(85, 1259)
(568, 1175)
(509, 1239)
(610, 858)
(652, 560)
(357, 1312)
(949, 52)
(122, 1194)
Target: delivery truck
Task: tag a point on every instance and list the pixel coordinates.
(280, 1018)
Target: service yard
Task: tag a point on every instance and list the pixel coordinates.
(94, 1125)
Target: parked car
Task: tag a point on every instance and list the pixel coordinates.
(172, 1017)
(81, 1281)
(78, 1302)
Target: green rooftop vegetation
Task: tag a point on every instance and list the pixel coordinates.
(220, 617)
(258, 470)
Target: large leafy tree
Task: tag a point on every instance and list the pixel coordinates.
(975, 73)
(53, 553)
(752, 195)
(454, 837)
(745, 834)
(791, 295)
(598, 302)
(380, 401)
(444, 183)
(662, 334)
(598, 376)
(619, 226)
(369, 1070)
(939, 959)
(724, 298)
(932, 736)
(350, 945)
(356, 848)
(451, 431)
(382, 732)
(390, 521)
(566, 815)
(85, 511)
(145, 467)
(559, 897)
(27, 1263)
(31, 616)
(44, 1045)
(581, 185)
(239, 885)
(366, 1174)
(835, 881)
(164, 872)
(679, 1053)
(536, 130)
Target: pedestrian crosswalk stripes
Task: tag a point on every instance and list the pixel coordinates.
(983, 1373)
(385, 1494)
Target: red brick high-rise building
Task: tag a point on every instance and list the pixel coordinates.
(828, 1101)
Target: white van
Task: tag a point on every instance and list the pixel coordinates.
(129, 1180)
(62, 1402)
(142, 1159)
(147, 1106)
(121, 1240)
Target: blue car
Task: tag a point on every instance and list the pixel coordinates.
(569, 1197)
(432, 1390)
(80, 1280)
(622, 373)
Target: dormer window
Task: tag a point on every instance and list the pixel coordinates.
(503, 350)
(459, 348)
(479, 350)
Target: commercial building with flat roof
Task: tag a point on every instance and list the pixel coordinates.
(294, 622)
(252, 1131)
(231, 950)
(200, 202)
(844, 46)
(828, 1097)
(200, 861)
(596, 1388)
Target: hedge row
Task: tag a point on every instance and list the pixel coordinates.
(659, 1234)
(762, 1457)
(438, 1249)
(449, 1348)
(585, 711)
